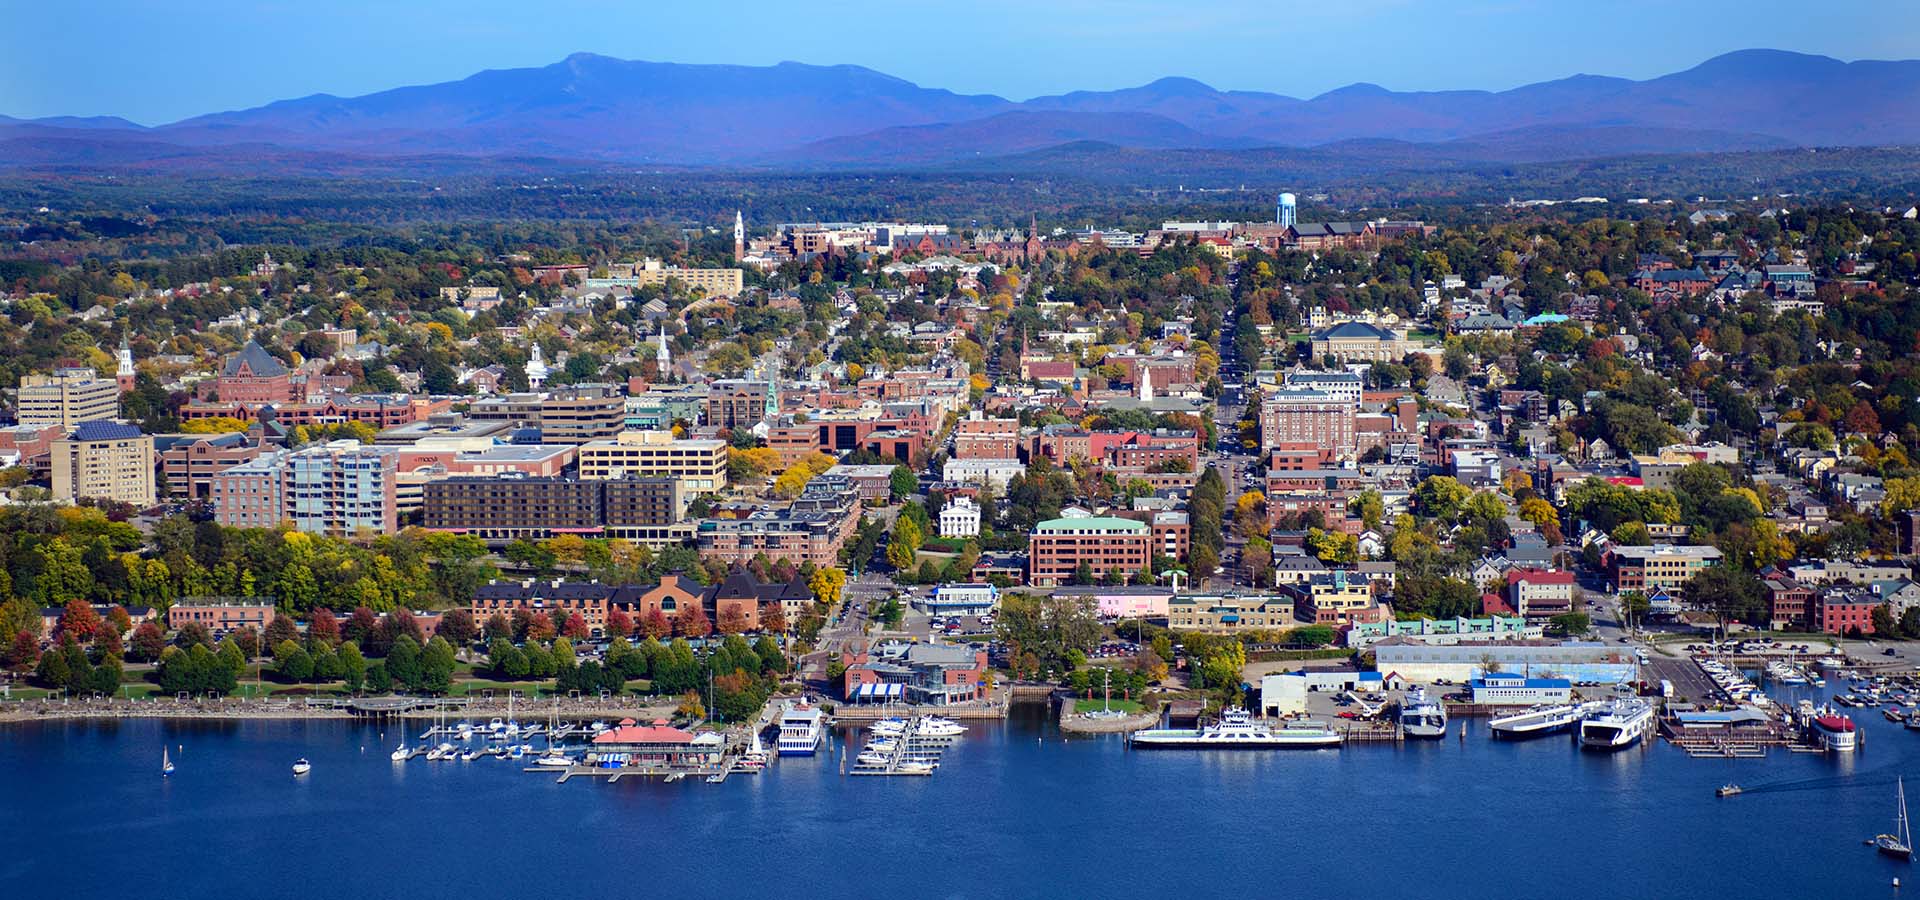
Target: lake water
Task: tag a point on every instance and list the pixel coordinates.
(1016, 810)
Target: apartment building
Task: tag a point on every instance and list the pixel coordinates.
(701, 465)
(1337, 598)
(1306, 418)
(220, 617)
(105, 461)
(1057, 548)
(67, 398)
(1540, 593)
(502, 509)
(337, 489)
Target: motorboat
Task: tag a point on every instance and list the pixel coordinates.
(302, 767)
(938, 726)
(1729, 790)
(555, 759)
(1236, 730)
(470, 755)
(497, 725)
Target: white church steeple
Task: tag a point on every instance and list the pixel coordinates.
(536, 368)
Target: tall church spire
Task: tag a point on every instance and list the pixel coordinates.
(125, 374)
(739, 236)
(1146, 384)
(662, 358)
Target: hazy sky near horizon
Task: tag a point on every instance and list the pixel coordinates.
(153, 61)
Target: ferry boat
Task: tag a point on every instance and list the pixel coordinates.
(1550, 718)
(1238, 731)
(1421, 717)
(801, 728)
(1835, 732)
(1617, 726)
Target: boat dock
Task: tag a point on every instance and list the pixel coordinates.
(912, 753)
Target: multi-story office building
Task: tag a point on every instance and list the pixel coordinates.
(104, 461)
(337, 488)
(582, 413)
(1648, 568)
(737, 403)
(701, 465)
(1058, 547)
(978, 438)
(191, 460)
(68, 397)
(1202, 612)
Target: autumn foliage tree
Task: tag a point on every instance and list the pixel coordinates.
(773, 616)
(655, 625)
(79, 621)
(692, 622)
(619, 624)
(576, 626)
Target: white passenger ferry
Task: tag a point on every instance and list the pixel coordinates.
(801, 728)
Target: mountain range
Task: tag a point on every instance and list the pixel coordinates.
(597, 109)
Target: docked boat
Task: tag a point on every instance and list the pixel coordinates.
(554, 759)
(1238, 731)
(939, 726)
(1422, 717)
(1913, 721)
(1617, 725)
(1900, 842)
(400, 753)
(302, 767)
(801, 728)
(1835, 732)
(1535, 721)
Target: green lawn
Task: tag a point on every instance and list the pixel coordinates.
(1117, 705)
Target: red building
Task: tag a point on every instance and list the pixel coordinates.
(978, 438)
(1844, 611)
(254, 376)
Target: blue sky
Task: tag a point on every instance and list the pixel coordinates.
(155, 61)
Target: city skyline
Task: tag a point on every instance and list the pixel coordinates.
(187, 62)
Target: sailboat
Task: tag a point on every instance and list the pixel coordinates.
(1900, 843)
(166, 763)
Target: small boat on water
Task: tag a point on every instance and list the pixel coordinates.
(301, 766)
(166, 763)
(1238, 731)
(555, 759)
(470, 755)
(1729, 790)
(400, 753)
(1900, 842)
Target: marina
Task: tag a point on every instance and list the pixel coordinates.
(1001, 778)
